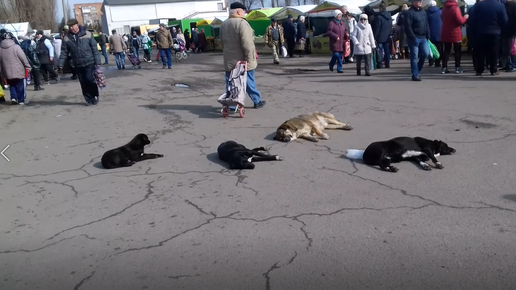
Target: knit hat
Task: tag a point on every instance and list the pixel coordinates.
(39, 32)
(336, 12)
(363, 16)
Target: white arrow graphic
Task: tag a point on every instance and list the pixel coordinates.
(5, 149)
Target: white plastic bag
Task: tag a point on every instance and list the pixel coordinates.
(284, 51)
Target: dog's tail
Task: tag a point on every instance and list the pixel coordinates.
(354, 154)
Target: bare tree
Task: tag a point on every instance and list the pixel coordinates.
(40, 14)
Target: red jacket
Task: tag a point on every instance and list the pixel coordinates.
(452, 22)
(337, 30)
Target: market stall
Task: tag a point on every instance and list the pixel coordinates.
(321, 15)
(295, 11)
(215, 24)
(206, 25)
(260, 19)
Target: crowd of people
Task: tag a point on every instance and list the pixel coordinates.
(491, 28)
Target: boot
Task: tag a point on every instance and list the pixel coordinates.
(38, 88)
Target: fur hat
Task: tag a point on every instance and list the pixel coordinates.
(363, 16)
(336, 12)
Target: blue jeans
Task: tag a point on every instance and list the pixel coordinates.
(136, 51)
(251, 89)
(418, 48)
(104, 53)
(168, 54)
(120, 59)
(384, 50)
(17, 89)
(336, 57)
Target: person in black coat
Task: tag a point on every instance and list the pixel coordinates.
(301, 35)
(289, 32)
(487, 20)
(382, 34)
(508, 33)
(187, 39)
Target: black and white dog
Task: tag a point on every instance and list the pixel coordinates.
(128, 154)
(239, 157)
(417, 149)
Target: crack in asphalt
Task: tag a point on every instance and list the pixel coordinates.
(267, 277)
(404, 192)
(161, 243)
(147, 195)
(84, 280)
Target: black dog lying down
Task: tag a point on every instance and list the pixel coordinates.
(128, 154)
(399, 149)
(239, 157)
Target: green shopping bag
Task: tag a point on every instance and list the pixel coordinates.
(2, 94)
(433, 50)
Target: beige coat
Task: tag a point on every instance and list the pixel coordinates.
(163, 39)
(13, 60)
(238, 45)
(116, 43)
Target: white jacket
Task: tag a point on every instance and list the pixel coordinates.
(363, 39)
(352, 23)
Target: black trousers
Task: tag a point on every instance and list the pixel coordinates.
(505, 56)
(36, 77)
(488, 49)
(48, 71)
(290, 45)
(88, 85)
(367, 60)
(447, 51)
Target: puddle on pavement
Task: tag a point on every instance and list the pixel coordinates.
(479, 124)
(298, 71)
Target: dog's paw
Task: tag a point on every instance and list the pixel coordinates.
(426, 167)
(325, 136)
(278, 158)
(347, 127)
(393, 169)
(160, 155)
(438, 165)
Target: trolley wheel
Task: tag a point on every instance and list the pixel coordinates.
(185, 55)
(396, 56)
(225, 111)
(179, 55)
(241, 112)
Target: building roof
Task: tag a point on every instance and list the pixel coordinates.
(143, 2)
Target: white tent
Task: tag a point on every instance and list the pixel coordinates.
(22, 28)
(292, 10)
(326, 8)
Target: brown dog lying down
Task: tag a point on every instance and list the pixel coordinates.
(309, 127)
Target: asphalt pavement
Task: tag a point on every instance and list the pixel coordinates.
(312, 221)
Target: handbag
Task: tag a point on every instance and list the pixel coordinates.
(434, 53)
(513, 47)
(300, 45)
(347, 48)
(284, 51)
(100, 78)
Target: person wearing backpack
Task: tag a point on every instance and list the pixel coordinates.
(80, 45)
